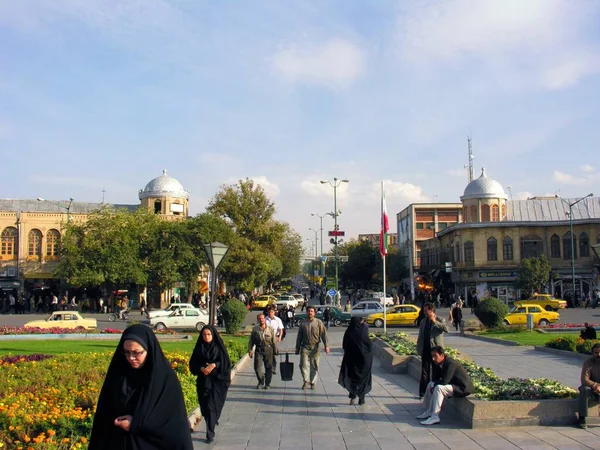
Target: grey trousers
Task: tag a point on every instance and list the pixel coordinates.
(309, 364)
(585, 395)
(264, 359)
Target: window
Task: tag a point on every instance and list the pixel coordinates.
(466, 215)
(9, 243)
(474, 217)
(430, 225)
(507, 249)
(584, 245)
(531, 247)
(157, 207)
(495, 213)
(442, 225)
(492, 249)
(555, 246)
(485, 213)
(503, 215)
(420, 225)
(567, 246)
(34, 243)
(52, 243)
(458, 254)
(469, 252)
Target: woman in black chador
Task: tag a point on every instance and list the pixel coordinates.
(210, 362)
(355, 373)
(141, 404)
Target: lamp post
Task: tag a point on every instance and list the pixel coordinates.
(573, 240)
(336, 183)
(215, 252)
(320, 216)
(68, 207)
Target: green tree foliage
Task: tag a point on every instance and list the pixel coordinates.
(234, 313)
(362, 264)
(534, 274)
(491, 312)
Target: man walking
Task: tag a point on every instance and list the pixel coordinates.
(262, 345)
(590, 384)
(276, 323)
(431, 334)
(449, 379)
(310, 333)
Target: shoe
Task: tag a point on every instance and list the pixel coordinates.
(312, 386)
(581, 423)
(431, 421)
(305, 385)
(267, 387)
(210, 440)
(259, 385)
(361, 401)
(424, 415)
(352, 400)
(352, 396)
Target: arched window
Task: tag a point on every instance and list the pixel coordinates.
(469, 252)
(492, 249)
(485, 213)
(474, 217)
(157, 207)
(531, 247)
(458, 253)
(52, 243)
(495, 213)
(555, 246)
(466, 216)
(507, 249)
(34, 243)
(9, 243)
(503, 215)
(584, 245)
(567, 246)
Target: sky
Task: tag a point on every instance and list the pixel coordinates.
(105, 94)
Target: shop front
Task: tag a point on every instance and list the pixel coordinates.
(501, 284)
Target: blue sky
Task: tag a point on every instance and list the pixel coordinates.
(101, 93)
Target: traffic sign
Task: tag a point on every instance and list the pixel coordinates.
(331, 292)
(324, 258)
(337, 233)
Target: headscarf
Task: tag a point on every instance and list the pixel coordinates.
(210, 352)
(151, 394)
(356, 337)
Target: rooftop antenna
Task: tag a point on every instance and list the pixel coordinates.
(510, 192)
(103, 192)
(471, 158)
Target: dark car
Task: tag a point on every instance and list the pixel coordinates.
(338, 317)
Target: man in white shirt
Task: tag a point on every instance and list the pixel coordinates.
(276, 323)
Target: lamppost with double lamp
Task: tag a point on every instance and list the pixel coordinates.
(68, 207)
(316, 244)
(573, 241)
(336, 183)
(215, 252)
(320, 216)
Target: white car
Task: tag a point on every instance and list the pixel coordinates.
(366, 308)
(181, 318)
(287, 300)
(389, 301)
(168, 310)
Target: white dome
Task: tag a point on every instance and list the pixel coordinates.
(484, 187)
(164, 186)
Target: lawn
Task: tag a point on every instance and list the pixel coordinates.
(58, 346)
(526, 337)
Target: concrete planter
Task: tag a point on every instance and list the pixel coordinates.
(479, 413)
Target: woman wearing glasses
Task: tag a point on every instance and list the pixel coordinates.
(141, 405)
(210, 362)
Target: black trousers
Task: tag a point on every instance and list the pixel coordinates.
(425, 372)
(585, 395)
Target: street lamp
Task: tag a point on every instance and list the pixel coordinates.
(68, 207)
(573, 240)
(215, 252)
(320, 216)
(336, 183)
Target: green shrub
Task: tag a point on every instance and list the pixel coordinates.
(568, 343)
(585, 346)
(234, 313)
(491, 312)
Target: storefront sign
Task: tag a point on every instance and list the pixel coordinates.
(499, 274)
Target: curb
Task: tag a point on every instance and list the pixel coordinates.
(563, 353)
(83, 336)
(195, 417)
(492, 340)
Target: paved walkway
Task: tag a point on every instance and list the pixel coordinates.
(286, 417)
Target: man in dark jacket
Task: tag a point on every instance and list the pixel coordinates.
(590, 384)
(449, 379)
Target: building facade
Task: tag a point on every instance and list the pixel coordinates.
(374, 239)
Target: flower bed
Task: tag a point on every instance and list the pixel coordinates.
(488, 386)
(570, 325)
(573, 344)
(6, 330)
(48, 402)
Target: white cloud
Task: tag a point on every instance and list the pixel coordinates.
(334, 63)
(576, 180)
(587, 169)
(523, 195)
(539, 42)
(270, 188)
(405, 191)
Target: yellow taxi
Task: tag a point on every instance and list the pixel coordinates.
(262, 301)
(397, 315)
(546, 301)
(518, 315)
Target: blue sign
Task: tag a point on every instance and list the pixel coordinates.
(331, 292)
(323, 258)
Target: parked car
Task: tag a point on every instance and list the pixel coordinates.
(518, 315)
(546, 301)
(398, 315)
(389, 301)
(299, 298)
(338, 317)
(283, 301)
(262, 301)
(181, 318)
(168, 310)
(64, 319)
(366, 308)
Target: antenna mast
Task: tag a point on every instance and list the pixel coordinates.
(470, 159)
(103, 192)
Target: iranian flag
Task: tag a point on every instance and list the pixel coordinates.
(385, 226)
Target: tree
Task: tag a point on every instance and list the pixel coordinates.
(289, 251)
(534, 274)
(361, 265)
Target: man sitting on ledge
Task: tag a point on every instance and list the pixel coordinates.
(589, 332)
(449, 379)
(590, 384)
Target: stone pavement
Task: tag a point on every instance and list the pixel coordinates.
(286, 417)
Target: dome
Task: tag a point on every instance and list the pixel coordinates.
(484, 187)
(164, 186)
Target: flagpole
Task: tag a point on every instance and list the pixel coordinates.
(383, 255)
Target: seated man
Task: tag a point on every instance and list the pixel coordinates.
(589, 332)
(590, 384)
(449, 379)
